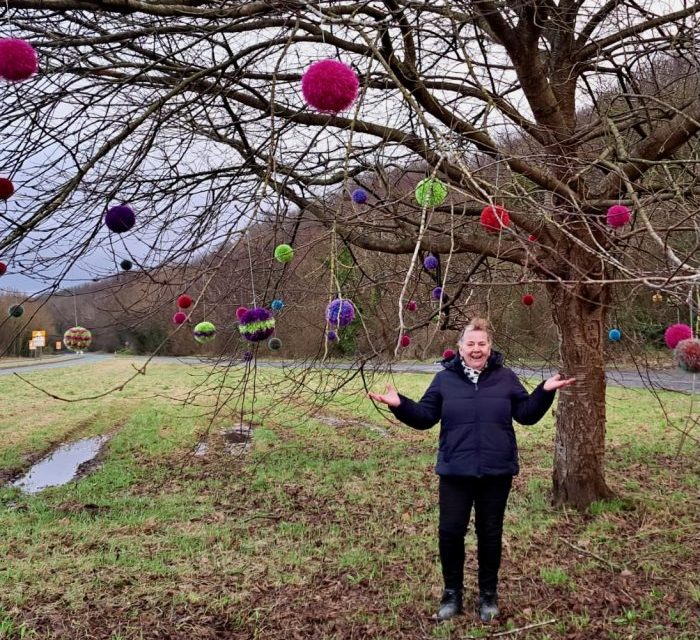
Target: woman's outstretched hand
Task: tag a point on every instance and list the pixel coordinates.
(390, 397)
(557, 382)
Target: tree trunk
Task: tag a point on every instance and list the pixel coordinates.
(579, 446)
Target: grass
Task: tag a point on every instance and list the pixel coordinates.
(326, 528)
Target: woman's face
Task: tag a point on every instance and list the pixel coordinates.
(475, 348)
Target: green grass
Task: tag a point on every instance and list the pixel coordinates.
(158, 541)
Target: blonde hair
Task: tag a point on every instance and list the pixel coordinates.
(478, 324)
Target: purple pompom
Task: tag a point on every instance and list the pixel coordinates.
(257, 324)
(329, 86)
(247, 356)
(436, 293)
(340, 313)
(359, 196)
(120, 218)
(430, 262)
(332, 336)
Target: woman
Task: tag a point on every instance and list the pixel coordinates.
(476, 399)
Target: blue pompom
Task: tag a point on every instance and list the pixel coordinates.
(614, 335)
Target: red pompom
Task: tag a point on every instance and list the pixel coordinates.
(329, 86)
(6, 188)
(618, 216)
(3, 268)
(448, 354)
(184, 301)
(675, 333)
(18, 60)
(405, 340)
(494, 218)
(532, 238)
(687, 353)
(180, 317)
(528, 299)
(412, 305)
(240, 312)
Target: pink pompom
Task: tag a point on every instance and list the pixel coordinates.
(494, 218)
(329, 86)
(675, 333)
(618, 216)
(18, 60)
(532, 238)
(405, 340)
(448, 354)
(528, 299)
(687, 354)
(180, 317)
(411, 305)
(241, 311)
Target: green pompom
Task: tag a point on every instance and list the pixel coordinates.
(431, 192)
(284, 253)
(204, 332)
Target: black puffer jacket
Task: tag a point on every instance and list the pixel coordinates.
(476, 435)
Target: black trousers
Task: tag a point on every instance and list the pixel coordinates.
(488, 495)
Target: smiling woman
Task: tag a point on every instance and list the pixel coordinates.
(476, 398)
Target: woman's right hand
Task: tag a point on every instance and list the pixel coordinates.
(390, 397)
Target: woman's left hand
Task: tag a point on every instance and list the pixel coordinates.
(557, 382)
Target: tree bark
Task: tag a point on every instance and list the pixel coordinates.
(579, 445)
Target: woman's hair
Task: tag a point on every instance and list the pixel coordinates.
(478, 324)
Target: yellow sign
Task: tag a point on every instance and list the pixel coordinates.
(39, 334)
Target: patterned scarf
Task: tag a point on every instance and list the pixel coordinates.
(472, 374)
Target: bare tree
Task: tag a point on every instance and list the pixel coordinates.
(192, 112)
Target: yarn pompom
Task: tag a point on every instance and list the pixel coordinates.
(77, 339)
(405, 340)
(277, 305)
(18, 59)
(687, 355)
(675, 333)
(431, 192)
(240, 312)
(448, 354)
(120, 218)
(430, 262)
(184, 301)
(332, 336)
(657, 298)
(494, 218)
(436, 293)
(257, 324)
(330, 86)
(6, 188)
(126, 265)
(340, 312)
(180, 317)
(528, 299)
(532, 238)
(247, 356)
(359, 196)
(614, 335)
(3, 268)
(274, 344)
(284, 253)
(411, 305)
(204, 332)
(15, 310)
(618, 216)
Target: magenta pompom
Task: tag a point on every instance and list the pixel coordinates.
(240, 312)
(3, 268)
(329, 86)
(180, 317)
(618, 216)
(411, 305)
(687, 355)
(675, 333)
(6, 188)
(405, 340)
(120, 218)
(18, 60)
(257, 324)
(430, 262)
(448, 354)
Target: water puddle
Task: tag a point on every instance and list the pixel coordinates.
(61, 466)
(236, 441)
(332, 421)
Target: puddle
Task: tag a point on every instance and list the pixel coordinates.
(236, 441)
(61, 466)
(332, 421)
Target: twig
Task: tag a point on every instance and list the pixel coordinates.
(518, 630)
(589, 553)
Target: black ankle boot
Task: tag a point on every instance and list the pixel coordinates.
(450, 604)
(488, 606)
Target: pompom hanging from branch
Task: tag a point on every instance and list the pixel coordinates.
(340, 312)
(330, 86)
(120, 218)
(257, 324)
(687, 355)
(675, 333)
(18, 59)
(204, 332)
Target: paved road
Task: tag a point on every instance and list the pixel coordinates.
(663, 379)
